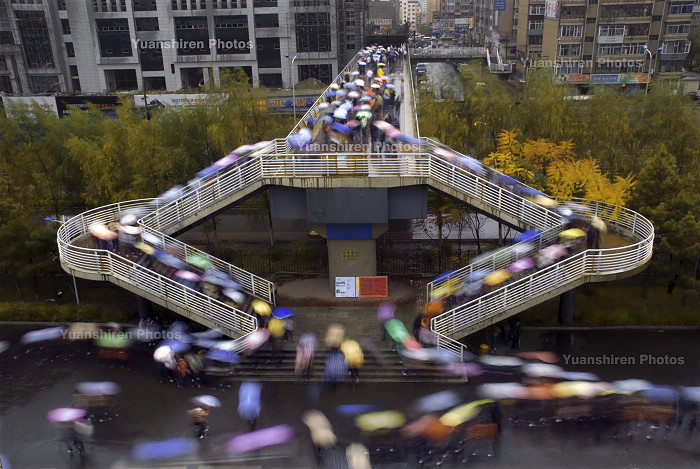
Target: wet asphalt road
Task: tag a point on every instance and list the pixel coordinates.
(151, 411)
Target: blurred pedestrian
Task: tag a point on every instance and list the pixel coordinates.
(306, 349)
(249, 405)
(198, 416)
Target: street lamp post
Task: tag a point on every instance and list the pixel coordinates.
(294, 97)
(651, 58)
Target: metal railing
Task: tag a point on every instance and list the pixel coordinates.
(457, 323)
(448, 52)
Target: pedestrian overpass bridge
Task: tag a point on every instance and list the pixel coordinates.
(277, 165)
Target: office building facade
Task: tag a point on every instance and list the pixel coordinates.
(125, 45)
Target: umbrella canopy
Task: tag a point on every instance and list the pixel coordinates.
(528, 236)
(410, 140)
(236, 296)
(216, 277)
(226, 160)
(107, 340)
(690, 393)
(171, 194)
(276, 327)
(341, 127)
(51, 333)
(436, 402)
(397, 330)
(498, 360)
(261, 308)
(130, 230)
(386, 311)
(435, 307)
(206, 400)
(572, 233)
(200, 261)
(577, 376)
(500, 390)
(522, 264)
(554, 252)
(128, 219)
(162, 354)
(630, 385)
(547, 357)
(101, 231)
(541, 370)
(175, 346)
(259, 439)
(497, 277)
(282, 313)
(545, 201)
(663, 394)
(334, 335)
(151, 239)
(164, 449)
(169, 260)
(599, 225)
(83, 331)
(256, 338)
(208, 171)
(296, 141)
(187, 275)
(472, 164)
(463, 413)
(379, 420)
(352, 410)
(463, 369)
(65, 414)
(225, 356)
(353, 353)
(144, 248)
(249, 405)
(98, 388)
(321, 430)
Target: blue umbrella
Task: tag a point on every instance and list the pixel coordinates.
(164, 449)
(510, 180)
(249, 400)
(225, 356)
(471, 163)
(665, 394)
(527, 236)
(341, 128)
(209, 171)
(477, 275)
(296, 141)
(352, 410)
(282, 313)
(175, 345)
(444, 276)
(365, 99)
(330, 94)
(98, 388)
(409, 140)
(528, 191)
(4, 463)
(169, 260)
(170, 195)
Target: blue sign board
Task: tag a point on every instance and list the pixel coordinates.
(604, 78)
(499, 5)
(349, 230)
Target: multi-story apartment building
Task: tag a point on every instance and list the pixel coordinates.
(410, 12)
(605, 41)
(495, 24)
(109, 45)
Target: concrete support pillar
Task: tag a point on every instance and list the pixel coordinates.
(351, 258)
(567, 301)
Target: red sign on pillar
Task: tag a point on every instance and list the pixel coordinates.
(373, 287)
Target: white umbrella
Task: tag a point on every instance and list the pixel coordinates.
(498, 360)
(206, 400)
(162, 354)
(630, 385)
(541, 369)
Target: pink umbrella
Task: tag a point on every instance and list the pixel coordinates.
(101, 231)
(554, 252)
(522, 264)
(386, 311)
(65, 414)
(187, 275)
(226, 160)
(256, 338)
(259, 439)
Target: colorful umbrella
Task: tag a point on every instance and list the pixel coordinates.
(256, 338)
(554, 252)
(175, 346)
(500, 390)
(386, 311)
(187, 275)
(276, 327)
(206, 400)
(169, 260)
(65, 414)
(51, 333)
(164, 449)
(98, 388)
(226, 160)
(599, 225)
(261, 308)
(282, 313)
(379, 420)
(463, 413)
(101, 231)
(528, 236)
(572, 233)
(334, 335)
(200, 261)
(162, 354)
(541, 370)
(397, 330)
(106, 340)
(352, 410)
(225, 356)
(436, 402)
(249, 406)
(497, 277)
(259, 439)
(522, 264)
(235, 295)
(144, 247)
(151, 239)
(631, 385)
(353, 353)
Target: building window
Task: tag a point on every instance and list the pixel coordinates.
(680, 8)
(537, 9)
(536, 25)
(264, 3)
(151, 58)
(573, 30)
(656, 18)
(610, 49)
(114, 38)
(534, 40)
(313, 31)
(677, 28)
(192, 32)
(568, 68)
(65, 26)
(570, 50)
(588, 39)
(590, 20)
(232, 35)
(267, 21)
(121, 79)
(7, 38)
(62, 5)
(633, 48)
(321, 72)
(269, 52)
(144, 5)
(611, 30)
(270, 80)
(70, 50)
(35, 39)
(147, 24)
(675, 47)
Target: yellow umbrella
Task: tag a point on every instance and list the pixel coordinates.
(353, 353)
(545, 201)
(276, 327)
(599, 225)
(499, 276)
(378, 420)
(260, 307)
(463, 413)
(573, 233)
(446, 289)
(144, 247)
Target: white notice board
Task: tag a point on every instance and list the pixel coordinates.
(346, 287)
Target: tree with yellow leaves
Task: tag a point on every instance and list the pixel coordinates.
(582, 178)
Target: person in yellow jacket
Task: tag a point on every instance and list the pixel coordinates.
(353, 357)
